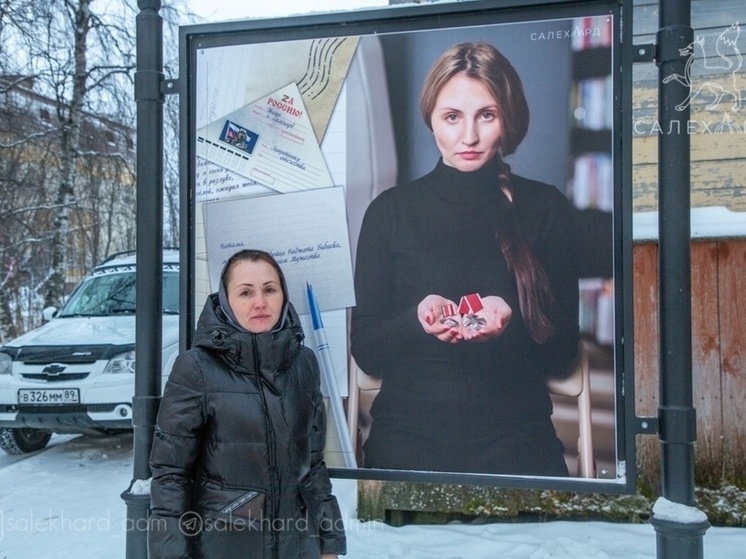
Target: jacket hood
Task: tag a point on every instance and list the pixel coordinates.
(267, 354)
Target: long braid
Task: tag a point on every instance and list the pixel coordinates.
(534, 289)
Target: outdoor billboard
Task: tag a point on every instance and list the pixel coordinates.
(447, 189)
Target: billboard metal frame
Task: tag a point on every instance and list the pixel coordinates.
(408, 18)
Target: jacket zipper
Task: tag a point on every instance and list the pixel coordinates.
(245, 498)
(272, 451)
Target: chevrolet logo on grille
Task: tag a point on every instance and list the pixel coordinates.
(53, 370)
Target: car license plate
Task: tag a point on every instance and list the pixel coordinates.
(45, 396)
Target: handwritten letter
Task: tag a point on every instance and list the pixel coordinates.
(306, 232)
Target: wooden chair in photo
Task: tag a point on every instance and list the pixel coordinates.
(577, 384)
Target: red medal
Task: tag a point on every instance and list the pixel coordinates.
(469, 306)
(447, 312)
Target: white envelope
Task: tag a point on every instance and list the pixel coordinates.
(270, 141)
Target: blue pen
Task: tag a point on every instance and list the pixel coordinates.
(328, 378)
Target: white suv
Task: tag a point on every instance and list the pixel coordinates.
(75, 374)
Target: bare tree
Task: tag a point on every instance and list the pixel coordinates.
(26, 214)
(67, 140)
(60, 83)
(67, 154)
(173, 15)
(171, 174)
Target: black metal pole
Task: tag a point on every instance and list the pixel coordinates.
(148, 335)
(677, 536)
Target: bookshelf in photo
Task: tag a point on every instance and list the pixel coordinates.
(591, 106)
(591, 170)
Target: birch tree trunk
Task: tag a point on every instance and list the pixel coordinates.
(69, 148)
(7, 328)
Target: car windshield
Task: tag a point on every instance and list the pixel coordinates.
(114, 293)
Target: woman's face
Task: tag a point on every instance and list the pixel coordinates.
(465, 124)
(255, 295)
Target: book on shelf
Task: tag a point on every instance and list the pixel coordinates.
(596, 309)
(592, 182)
(592, 102)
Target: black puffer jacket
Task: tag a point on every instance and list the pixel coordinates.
(237, 453)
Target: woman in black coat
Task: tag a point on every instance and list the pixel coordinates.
(237, 456)
(467, 289)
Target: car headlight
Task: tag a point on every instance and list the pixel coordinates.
(121, 363)
(6, 363)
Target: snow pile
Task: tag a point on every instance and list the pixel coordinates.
(676, 512)
(140, 487)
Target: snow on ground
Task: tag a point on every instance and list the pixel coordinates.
(64, 503)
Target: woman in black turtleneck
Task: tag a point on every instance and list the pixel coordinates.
(454, 397)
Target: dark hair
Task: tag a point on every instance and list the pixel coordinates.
(483, 62)
(251, 255)
(534, 288)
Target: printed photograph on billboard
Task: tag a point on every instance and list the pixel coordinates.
(444, 195)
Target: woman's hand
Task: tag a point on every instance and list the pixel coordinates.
(496, 314)
(429, 313)
(329, 556)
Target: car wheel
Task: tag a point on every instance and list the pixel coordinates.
(22, 441)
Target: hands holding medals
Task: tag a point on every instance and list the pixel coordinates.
(474, 318)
